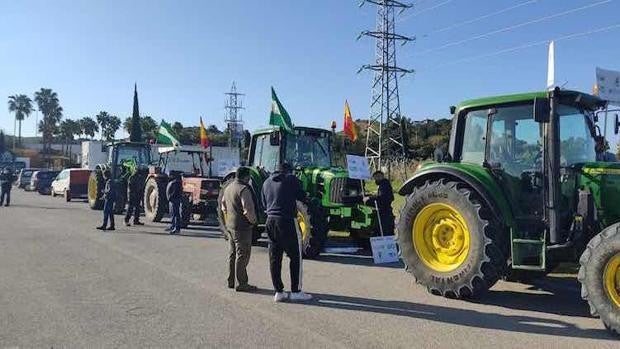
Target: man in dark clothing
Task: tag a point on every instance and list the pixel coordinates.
(281, 191)
(239, 209)
(383, 202)
(6, 182)
(174, 193)
(109, 197)
(135, 194)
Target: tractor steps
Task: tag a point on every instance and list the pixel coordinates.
(528, 253)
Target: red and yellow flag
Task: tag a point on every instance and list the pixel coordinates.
(349, 126)
(204, 140)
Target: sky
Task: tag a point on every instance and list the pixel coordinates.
(184, 55)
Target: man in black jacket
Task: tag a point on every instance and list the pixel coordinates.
(281, 191)
(109, 197)
(383, 202)
(135, 194)
(174, 193)
(6, 182)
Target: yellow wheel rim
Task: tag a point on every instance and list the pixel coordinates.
(441, 237)
(303, 225)
(611, 279)
(92, 188)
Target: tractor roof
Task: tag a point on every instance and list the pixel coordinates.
(585, 100)
(297, 128)
(182, 149)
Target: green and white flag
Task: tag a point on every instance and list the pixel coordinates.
(279, 116)
(165, 135)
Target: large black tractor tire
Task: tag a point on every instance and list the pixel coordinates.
(312, 228)
(445, 216)
(186, 211)
(95, 190)
(155, 201)
(599, 275)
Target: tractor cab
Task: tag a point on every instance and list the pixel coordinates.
(305, 147)
(125, 155)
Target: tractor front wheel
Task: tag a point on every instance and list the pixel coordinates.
(449, 241)
(155, 201)
(599, 275)
(313, 228)
(95, 190)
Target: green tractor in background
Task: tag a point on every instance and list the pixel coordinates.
(124, 160)
(334, 200)
(520, 191)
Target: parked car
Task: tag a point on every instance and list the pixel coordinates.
(41, 181)
(71, 183)
(24, 177)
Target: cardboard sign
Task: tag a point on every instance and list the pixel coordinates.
(384, 249)
(358, 167)
(608, 84)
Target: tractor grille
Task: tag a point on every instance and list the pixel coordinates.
(345, 191)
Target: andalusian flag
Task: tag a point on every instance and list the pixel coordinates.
(165, 135)
(349, 126)
(204, 139)
(279, 116)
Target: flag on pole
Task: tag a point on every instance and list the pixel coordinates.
(165, 134)
(551, 66)
(349, 126)
(204, 139)
(279, 116)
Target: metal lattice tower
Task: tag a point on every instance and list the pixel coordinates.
(384, 137)
(233, 118)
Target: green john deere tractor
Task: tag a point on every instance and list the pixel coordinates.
(520, 191)
(124, 159)
(334, 200)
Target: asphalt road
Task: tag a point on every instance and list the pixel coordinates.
(65, 284)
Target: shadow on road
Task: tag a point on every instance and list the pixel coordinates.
(356, 259)
(463, 317)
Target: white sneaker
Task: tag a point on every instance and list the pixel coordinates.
(280, 297)
(300, 296)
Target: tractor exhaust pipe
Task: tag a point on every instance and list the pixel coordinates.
(553, 171)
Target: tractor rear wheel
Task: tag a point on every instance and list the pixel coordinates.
(313, 228)
(95, 190)
(599, 275)
(155, 201)
(449, 241)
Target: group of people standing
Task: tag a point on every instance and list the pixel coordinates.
(135, 194)
(279, 197)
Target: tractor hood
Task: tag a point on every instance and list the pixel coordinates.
(332, 185)
(602, 180)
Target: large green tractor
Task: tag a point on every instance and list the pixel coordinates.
(334, 200)
(520, 191)
(124, 159)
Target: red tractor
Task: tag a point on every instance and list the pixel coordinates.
(200, 189)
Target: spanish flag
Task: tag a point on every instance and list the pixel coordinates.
(349, 126)
(204, 140)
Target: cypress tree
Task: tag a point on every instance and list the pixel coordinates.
(135, 135)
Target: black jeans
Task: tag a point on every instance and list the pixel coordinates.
(133, 209)
(5, 194)
(283, 237)
(175, 216)
(108, 213)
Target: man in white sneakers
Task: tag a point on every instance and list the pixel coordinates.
(280, 194)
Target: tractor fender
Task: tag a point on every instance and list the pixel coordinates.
(481, 181)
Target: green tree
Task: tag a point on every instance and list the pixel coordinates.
(2, 143)
(148, 127)
(49, 105)
(135, 131)
(89, 127)
(67, 131)
(21, 106)
(108, 124)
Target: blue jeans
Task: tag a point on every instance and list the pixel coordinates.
(108, 213)
(5, 194)
(175, 215)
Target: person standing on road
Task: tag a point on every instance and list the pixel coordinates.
(239, 208)
(280, 194)
(135, 194)
(109, 197)
(6, 182)
(174, 194)
(383, 202)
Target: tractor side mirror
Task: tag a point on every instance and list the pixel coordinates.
(542, 110)
(617, 125)
(274, 139)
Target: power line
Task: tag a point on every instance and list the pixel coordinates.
(527, 45)
(415, 14)
(478, 19)
(515, 26)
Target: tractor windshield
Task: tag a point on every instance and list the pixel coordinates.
(576, 141)
(308, 150)
(141, 155)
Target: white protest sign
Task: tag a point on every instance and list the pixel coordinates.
(608, 83)
(358, 167)
(384, 249)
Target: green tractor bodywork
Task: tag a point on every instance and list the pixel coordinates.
(334, 199)
(520, 191)
(124, 160)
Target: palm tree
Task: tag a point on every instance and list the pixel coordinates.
(89, 127)
(49, 105)
(109, 125)
(21, 105)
